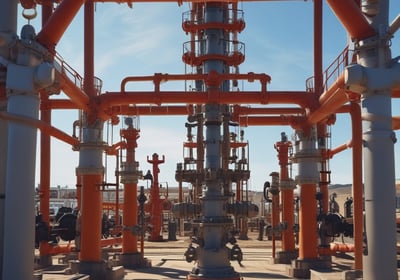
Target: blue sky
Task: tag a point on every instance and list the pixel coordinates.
(148, 39)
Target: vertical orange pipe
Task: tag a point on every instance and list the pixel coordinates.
(91, 210)
(275, 208)
(358, 219)
(156, 206)
(318, 78)
(324, 179)
(307, 220)
(45, 148)
(288, 242)
(45, 171)
(91, 171)
(129, 240)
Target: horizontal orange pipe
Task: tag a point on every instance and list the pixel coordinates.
(396, 93)
(61, 249)
(339, 149)
(111, 99)
(269, 120)
(243, 110)
(210, 78)
(111, 241)
(396, 123)
(152, 110)
(332, 103)
(58, 22)
(62, 104)
(44, 127)
(339, 83)
(76, 95)
(349, 14)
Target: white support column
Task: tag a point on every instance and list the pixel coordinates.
(8, 27)
(373, 77)
(23, 81)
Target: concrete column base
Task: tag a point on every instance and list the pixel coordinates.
(226, 273)
(43, 261)
(352, 274)
(97, 270)
(133, 260)
(285, 257)
(301, 268)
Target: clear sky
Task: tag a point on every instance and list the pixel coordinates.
(148, 39)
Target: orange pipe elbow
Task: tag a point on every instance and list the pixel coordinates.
(349, 14)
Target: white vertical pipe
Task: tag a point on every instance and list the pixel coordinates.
(19, 222)
(8, 24)
(380, 261)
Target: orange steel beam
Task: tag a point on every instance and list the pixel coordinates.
(44, 127)
(349, 14)
(58, 22)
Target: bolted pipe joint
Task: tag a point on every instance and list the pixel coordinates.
(287, 184)
(274, 188)
(185, 210)
(130, 173)
(370, 8)
(307, 156)
(242, 209)
(361, 79)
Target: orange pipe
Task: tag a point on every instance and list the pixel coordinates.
(356, 122)
(339, 149)
(396, 123)
(349, 14)
(61, 249)
(130, 214)
(270, 120)
(91, 211)
(62, 104)
(111, 99)
(243, 110)
(45, 169)
(56, 25)
(110, 241)
(152, 110)
(308, 223)
(318, 76)
(288, 241)
(156, 205)
(44, 127)
(396, 93)
(330, 101)
(76, 95)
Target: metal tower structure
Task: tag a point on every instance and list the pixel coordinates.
(31, 72)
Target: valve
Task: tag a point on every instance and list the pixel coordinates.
(236, 254)
(190, 254)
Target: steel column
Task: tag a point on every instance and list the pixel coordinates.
(8, 25)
